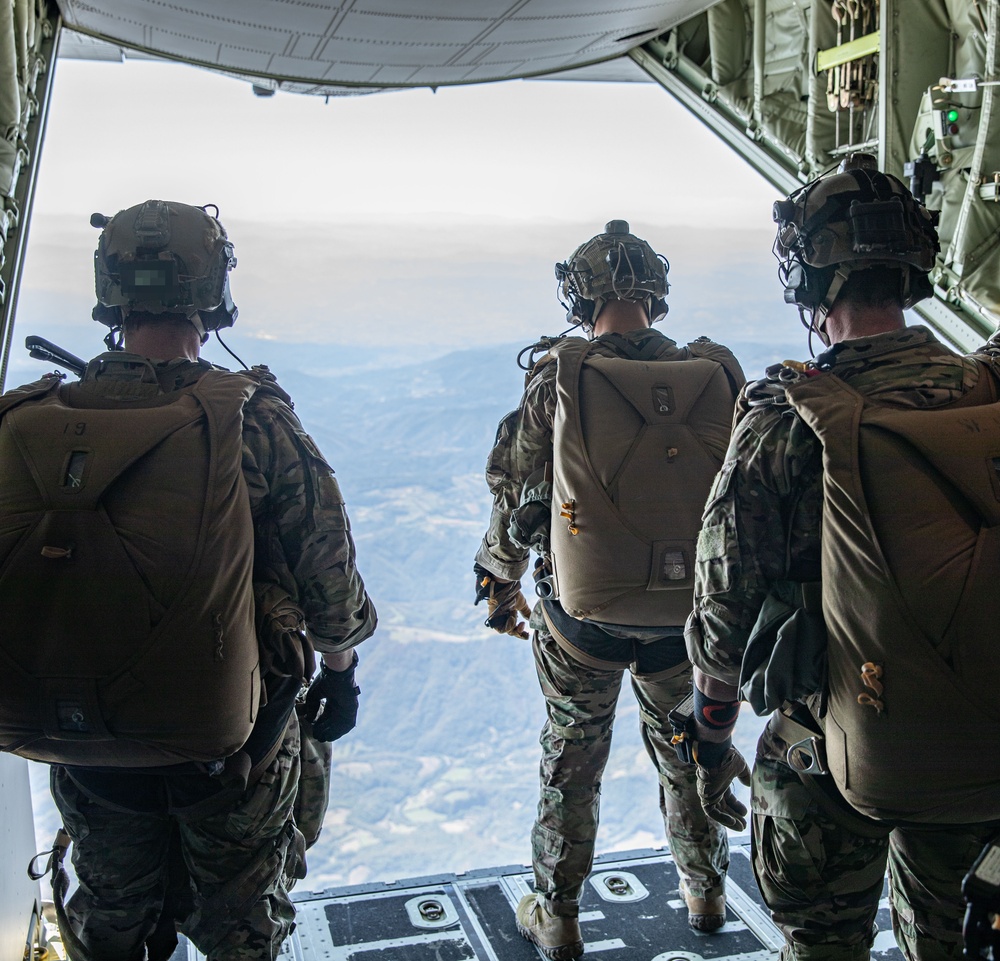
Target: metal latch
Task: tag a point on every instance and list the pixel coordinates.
(431, 911)
(619, 886)
(807, 756)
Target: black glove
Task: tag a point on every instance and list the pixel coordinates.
(717, 798)
(332, 702)
(504, 601)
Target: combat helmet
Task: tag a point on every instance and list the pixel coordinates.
(163, 257)
(854, 219)
(614, 265)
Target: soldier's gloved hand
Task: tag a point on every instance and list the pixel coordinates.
(332, 702)
(504, 602)
(715, 793)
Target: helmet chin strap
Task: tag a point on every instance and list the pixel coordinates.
(196, 322)
(818, 324)
(598, 303)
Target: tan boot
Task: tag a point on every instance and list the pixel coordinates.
(558, 937)
(704, 914)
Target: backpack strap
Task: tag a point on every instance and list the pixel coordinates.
(653, 349)
(710, 350)
(985, 391)
(269, 383)
(555, 348)
(34, 391)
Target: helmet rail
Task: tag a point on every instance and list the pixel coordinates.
(853, 219)
(614, 265)
(163, 257)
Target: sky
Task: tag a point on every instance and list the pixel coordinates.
(527, 152)
(407, 218)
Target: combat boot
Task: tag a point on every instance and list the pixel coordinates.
(557, 936)
(704, 914)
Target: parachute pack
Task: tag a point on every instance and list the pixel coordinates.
(126, 562)
(637, 442)
(911, 562)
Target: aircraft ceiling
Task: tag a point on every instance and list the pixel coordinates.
(325, 46)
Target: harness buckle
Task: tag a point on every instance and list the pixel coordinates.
(807, 756)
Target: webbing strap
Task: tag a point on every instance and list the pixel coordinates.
(75, 948)
(790, 730)
(651, 350)
(623, 344)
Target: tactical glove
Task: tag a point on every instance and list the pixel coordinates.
(504, 603)
(715, 794)
(332, 702)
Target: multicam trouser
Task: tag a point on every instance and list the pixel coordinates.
(576, 740)
(822, 875)
(250, 849)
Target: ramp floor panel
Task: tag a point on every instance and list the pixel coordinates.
(631, 910)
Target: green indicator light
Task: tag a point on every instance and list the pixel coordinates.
(952, 116)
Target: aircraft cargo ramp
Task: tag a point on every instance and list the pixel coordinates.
(631, 911)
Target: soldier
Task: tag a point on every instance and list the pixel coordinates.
(212, 845)
(879, 674)
(615, 561)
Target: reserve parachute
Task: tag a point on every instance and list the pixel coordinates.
(126, 562)
(637, 442)
(911, 562)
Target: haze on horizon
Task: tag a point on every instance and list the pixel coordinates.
(410, 217)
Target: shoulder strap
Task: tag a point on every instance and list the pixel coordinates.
(651, 350)
(572, 347)
(19, 395)
(709, 350)
(985, 391)
(269, 383)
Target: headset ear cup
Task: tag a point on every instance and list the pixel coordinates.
(109, 316)
(583, 311)
(919, 288)
(807, 286)
(797, 285)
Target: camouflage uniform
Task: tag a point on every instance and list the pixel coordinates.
(819, 864)
(580, 673)
(144, 849)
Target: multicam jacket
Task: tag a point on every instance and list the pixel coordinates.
(303, 537)
(762, 519)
